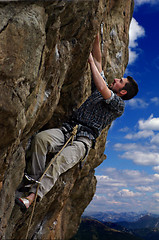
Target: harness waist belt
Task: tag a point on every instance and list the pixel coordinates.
(67, 127)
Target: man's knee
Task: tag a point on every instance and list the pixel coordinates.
(86, 141)
(80, 148)
(40, 139)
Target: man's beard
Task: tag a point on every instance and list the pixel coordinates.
(112, 89)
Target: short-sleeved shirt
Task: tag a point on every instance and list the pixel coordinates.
(96, 112)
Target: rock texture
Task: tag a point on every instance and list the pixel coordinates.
(44, 75)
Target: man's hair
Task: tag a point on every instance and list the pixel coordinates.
(131, 87)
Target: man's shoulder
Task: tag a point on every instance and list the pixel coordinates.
(116, 103)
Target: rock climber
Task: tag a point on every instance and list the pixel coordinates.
(103, 106)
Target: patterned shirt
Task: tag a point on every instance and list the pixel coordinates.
(96, 113)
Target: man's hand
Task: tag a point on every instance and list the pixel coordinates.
(96, 53)
(90, 59)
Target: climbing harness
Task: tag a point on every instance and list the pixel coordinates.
(30, 179)
(73, 134)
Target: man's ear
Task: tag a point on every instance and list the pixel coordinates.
(123, 92)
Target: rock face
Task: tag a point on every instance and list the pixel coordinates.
(44, 75)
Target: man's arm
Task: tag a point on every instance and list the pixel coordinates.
(96, 52)
(98, 80)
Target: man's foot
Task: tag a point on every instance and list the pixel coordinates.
(25, 203)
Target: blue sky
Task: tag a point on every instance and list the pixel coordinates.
(128, 180)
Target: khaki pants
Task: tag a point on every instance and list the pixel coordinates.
(52, 140)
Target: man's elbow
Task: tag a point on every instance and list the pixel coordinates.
(105, 92)
(98, 65)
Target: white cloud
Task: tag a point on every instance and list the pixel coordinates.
(131, 173)
(145, 189)
(135, 32)
(110, 182)
(137, 103)
(156, 168)
(142, 158)
(155, 139)
(150, 124)
(99, 198)
(132, 56)
(125, 129)
(140, 134)
(127, 193)
(126, 146)
(155, 100)
(145, 153)
(134, 191)
(134, 147)
(140, 103)
(122, 178)
(156, 195)
(156, 175)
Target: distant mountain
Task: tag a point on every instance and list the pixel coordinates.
(116, 217)
(147, 233)
(94, 226)
(146, 221)
(94, 230)
(146, 227)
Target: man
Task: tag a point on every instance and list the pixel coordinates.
(103, 106)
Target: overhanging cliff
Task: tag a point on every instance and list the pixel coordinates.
(44, 75)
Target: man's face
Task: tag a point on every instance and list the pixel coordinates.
(118, 84)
